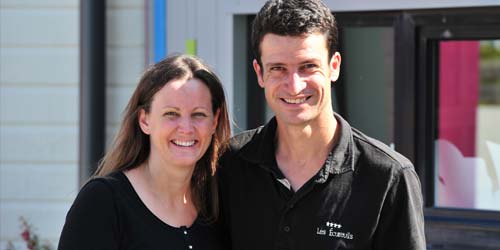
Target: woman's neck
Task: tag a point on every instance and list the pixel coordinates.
(166, 191)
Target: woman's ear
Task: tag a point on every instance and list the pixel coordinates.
(216, 120)
(144, 122)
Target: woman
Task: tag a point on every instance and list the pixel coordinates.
(155, 188)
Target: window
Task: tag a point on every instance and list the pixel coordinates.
(368, 80)
(467, 146)
(456, 137)
(444, 95)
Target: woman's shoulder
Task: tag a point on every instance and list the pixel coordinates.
(94, 214)
(111, 180)
(101, 188)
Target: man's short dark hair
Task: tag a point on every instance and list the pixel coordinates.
(294, 18)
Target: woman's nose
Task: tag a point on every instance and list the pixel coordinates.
(186, 125)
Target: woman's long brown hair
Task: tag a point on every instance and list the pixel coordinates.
(131, 147)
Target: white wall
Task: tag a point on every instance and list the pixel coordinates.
(208, 22)
(126, 57)
(38, 115)
(39, 98)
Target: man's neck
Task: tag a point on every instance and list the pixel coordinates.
(302, 150)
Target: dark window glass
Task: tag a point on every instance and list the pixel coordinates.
(368, 80)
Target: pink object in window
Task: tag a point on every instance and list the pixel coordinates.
(458, 100)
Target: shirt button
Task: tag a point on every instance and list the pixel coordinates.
(185, 232)
(286, 229)
(190, 247)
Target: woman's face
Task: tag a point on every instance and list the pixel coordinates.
(180, 122)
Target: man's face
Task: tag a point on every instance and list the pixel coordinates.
(296, 75)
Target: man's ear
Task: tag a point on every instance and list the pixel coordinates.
(258, 72)
(144, 122)
(335, 66)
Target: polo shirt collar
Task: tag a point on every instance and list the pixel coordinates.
(341, 158)
(261, 150)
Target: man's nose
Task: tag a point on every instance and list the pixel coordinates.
(296, 83)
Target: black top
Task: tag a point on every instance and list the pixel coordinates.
(108, 214)
(366, 196)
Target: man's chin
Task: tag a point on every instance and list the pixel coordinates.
(297, 120)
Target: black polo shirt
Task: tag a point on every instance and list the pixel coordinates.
(366, 196)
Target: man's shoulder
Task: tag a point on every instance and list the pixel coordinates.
(378, 153)
(243, 147)
(241, 139)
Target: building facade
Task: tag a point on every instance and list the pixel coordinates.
(428, 72)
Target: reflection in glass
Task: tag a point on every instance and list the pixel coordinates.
(468, 143)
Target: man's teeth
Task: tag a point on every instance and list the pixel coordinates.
(295, 101)
(184, 143)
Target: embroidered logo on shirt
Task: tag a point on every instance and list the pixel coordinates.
(334, 225)
(332, 229)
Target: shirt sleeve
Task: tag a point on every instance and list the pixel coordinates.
(401, 224)
(92, 222)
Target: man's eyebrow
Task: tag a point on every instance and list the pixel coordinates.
(274, 64)
(310, 60)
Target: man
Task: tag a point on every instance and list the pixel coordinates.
(307, 180)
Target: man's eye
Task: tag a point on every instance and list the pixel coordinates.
(277, 68)
(310, 66)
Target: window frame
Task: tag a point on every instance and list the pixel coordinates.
(469, 228)
(417, 35)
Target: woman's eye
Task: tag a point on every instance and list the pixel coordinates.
(199, 114)
(171, 114)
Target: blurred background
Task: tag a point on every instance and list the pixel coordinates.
(421, 76)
